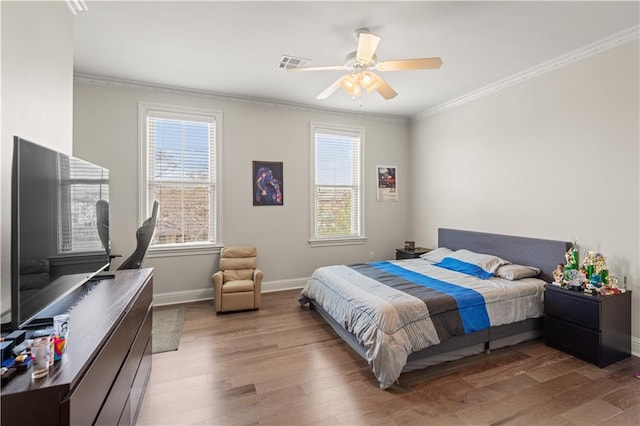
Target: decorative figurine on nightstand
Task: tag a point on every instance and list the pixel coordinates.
(573, 278)
(594, 281)
(596, 267)
(611, 286)
(571, 275)
(589, 262)
(571, 257)
(558, 275)
(600, 266)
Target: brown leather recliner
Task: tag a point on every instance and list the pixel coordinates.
(237, 286)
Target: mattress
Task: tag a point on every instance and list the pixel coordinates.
(372, 303)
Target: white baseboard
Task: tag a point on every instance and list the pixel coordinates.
(175, 297)
(635, 346)
(268, 287)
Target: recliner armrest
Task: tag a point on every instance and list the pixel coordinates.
(217, 289)
(257, 277)
(257, 290)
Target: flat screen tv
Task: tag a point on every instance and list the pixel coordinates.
(59, 240)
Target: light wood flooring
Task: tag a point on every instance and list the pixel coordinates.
(282, 365)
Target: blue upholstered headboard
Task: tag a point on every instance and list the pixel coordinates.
(543, 254)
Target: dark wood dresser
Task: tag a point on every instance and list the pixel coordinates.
(102, 377)
(594, 328)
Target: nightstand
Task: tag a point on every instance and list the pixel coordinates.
(411, 254)
(594, 328)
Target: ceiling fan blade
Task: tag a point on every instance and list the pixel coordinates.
(384, 89)
(329, 90)
(367, 45)
(322, 68)
(410, 64)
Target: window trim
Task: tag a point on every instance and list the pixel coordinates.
(186, 113)
(336, 241)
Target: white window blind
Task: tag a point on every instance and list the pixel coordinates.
(181, 176)
(337, 184)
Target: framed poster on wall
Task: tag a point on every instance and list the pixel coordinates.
(267, 183)
(387, 183)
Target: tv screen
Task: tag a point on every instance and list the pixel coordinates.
(59, 231)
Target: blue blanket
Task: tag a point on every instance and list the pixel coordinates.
(454, 310)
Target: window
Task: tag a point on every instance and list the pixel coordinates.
(337, 185)
(181, 171)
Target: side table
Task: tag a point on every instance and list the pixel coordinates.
(592, 327)
(411, 254)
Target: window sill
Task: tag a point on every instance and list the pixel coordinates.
(337, 242)
(183, 250)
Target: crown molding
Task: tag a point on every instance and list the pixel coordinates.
(139, 85)
(610, 42)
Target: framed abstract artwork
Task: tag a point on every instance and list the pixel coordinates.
(267, 184)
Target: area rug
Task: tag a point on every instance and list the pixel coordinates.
(167, 329)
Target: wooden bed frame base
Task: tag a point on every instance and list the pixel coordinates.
(543, 254)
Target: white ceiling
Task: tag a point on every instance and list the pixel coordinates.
(234, 48)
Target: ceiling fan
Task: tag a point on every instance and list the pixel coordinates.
(361, 65)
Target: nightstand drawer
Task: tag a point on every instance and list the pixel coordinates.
(576, 309)
(573, 339)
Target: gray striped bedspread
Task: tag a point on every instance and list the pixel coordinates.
(399, 307)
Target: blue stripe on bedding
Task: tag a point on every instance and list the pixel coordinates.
(463, 267)
(471, 305)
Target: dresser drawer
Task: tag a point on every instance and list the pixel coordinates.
(139, 311)
(574, 308)
(89, 395)
(572, 338)
(112, 408)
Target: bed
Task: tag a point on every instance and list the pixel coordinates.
(410, 314)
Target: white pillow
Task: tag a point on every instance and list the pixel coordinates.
(487, 262)
(436, 255)
(515, 272)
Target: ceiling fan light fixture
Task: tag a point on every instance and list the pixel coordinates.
(368, 81)
(349, 84)
(354, 83)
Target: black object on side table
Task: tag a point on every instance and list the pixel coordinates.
(411, 254)
(594, 328)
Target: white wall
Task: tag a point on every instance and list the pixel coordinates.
(106, 132)
(37, 86)
(553, 157)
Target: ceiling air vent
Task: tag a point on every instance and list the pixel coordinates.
(292, 62)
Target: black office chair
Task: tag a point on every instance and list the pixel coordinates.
(144, 234)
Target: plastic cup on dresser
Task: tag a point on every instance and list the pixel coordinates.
(61, 325)
(40, 348)
(59, 347)
(61, 336)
